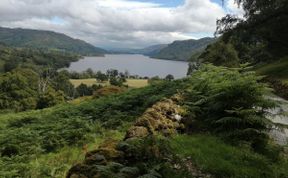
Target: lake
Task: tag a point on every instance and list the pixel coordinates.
(134, 64)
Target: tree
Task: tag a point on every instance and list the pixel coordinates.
(169, 77)
(221, 53)
(264, 28)
(112, 73)
(18, 90)
(50, 98)
(84, 90)
(101, 77)
(61, 82)
(116, 81)
(89, 73)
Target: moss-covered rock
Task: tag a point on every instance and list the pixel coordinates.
(108, 149)
(119, 158)
(137, 132)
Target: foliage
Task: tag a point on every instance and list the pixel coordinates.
(231, 103)
(212, 155)
(24, 136)
(18, 90)
(84, 90)
(47, 40)
(33, 58)
(169, 77)
(101, 77)
(261, 36)
(116, 81)
(183, 50)
(24, 89)
(49, 98)
(220, 53)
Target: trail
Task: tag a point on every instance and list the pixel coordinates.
(279, 116)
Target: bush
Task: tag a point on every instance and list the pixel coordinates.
(106, 91)
(230, 102)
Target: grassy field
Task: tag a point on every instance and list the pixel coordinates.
(214, 156)
(133, 83)
(278, 69)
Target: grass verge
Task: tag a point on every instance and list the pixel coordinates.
(213, 156)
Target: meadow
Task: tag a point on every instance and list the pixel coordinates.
(133, 83)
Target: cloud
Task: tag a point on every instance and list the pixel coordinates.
(233, 8)
(114, 23)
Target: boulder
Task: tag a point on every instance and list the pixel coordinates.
(137, 132)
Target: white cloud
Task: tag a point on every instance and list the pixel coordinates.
(113, 22)
(234, 8)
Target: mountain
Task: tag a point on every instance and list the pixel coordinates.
(148, 51)
(19, 37)
(184, 50)
(151, 50)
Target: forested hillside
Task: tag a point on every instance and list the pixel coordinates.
(46, 40)
(183, 50)
(11, 58)
(260, 40)
(148, 51)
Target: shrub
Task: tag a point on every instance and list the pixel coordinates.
(230, 102)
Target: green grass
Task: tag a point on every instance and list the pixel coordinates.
(57, 164)
(277, 70)
(37, 142)
(133, 83)
(212, 155)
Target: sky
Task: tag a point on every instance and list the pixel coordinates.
(119, 23)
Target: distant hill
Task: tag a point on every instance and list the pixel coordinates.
(46, 39)
(11, 58)
(152, 50)
(184, 50)
(148, 51)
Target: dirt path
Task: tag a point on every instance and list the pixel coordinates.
(279, 116)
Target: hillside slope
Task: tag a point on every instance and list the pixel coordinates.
(183, 50)
(148, 51)
(46, 39)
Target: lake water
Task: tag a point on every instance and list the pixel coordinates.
(134, 64)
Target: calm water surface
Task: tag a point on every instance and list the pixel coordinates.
(135, 64)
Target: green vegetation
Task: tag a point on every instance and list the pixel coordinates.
(261, 37)
(214, 156)
(11, 58)
(242, 146)
(230, 102)
(148, 51)
(23, 89)
(220, 53)
(183, 50)
(221, 112)
(24, 137)
(46, 40)
(277, 69)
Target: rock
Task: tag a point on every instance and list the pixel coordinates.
(137, 132)
(108, 149)
(79, 171)
(130, 171)
(115, 167)
(96, 159)
(177, 117)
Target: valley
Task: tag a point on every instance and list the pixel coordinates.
(144, 89)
